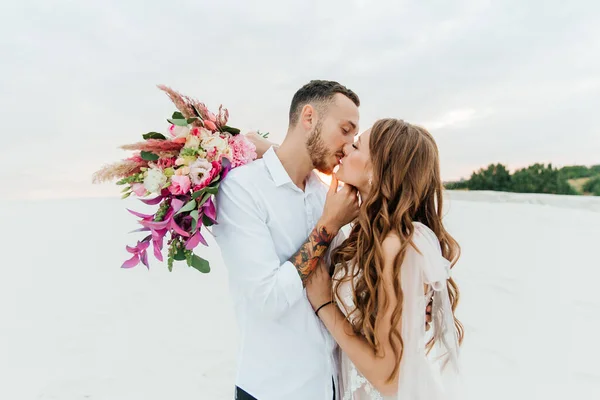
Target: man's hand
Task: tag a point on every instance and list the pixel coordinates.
(341, 207)
(261, 144)
(428, 318)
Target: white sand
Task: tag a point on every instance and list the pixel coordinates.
(75, 326)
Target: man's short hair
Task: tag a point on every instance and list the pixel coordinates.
(318, 91)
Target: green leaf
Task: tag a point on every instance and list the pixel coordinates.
(233, 131)
(180, 255)
(204, 199)
(197, 194)
(200, 264)
(207, 221)
(195, 216)
(149, 156)
(189, 206)
(178, 121)
(191, 120)
(198, 114)
(154, 135)
(213, 189)
(177, 115)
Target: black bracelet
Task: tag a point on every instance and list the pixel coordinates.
(326, 304)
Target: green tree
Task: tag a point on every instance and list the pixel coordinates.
(593, 186)
(576, 171)
(494, 177)
(539, 178)
(459, 185)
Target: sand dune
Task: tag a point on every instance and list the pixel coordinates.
(75, 326)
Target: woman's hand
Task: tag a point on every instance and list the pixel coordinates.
(318, 286)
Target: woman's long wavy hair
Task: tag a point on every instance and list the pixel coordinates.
(406, 186)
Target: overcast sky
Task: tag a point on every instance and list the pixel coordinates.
(513, 81)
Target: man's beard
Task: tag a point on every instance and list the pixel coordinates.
(318, 151)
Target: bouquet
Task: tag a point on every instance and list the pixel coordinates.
(179, 172)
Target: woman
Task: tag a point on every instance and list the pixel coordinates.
(397, 256)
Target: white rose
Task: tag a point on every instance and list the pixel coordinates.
(192, 142)
(155, 180)
(179, 131)
(205, 133)
(215, 141)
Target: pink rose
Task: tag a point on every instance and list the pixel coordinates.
(180, 184)
(139, 189)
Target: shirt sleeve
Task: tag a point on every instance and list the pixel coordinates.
(269, 287)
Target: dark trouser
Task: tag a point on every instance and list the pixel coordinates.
(240, 394)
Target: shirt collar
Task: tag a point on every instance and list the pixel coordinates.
(281, 177)
(276, 169)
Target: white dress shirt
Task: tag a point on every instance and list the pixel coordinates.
(264, 218)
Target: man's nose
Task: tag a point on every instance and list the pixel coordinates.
(347, 148)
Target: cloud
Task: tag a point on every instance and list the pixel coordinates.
(509, 82)
(459, 117)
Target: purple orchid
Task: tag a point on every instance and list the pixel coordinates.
(139, 254)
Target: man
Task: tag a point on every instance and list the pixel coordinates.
(276, 221)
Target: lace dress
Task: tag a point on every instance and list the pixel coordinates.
(432, 376)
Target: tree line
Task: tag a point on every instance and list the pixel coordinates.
(537, 178)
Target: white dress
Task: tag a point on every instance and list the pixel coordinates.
(422, 376)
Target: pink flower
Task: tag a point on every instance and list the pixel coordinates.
(210, 125)
(139, 189)
(180, 184)
(139, 254)
(199, 169)
(203, 173)
(165, 163)
(243, 151)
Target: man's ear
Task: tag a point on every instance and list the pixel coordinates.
(307, 117)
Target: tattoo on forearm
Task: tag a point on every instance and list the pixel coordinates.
(307, 258)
